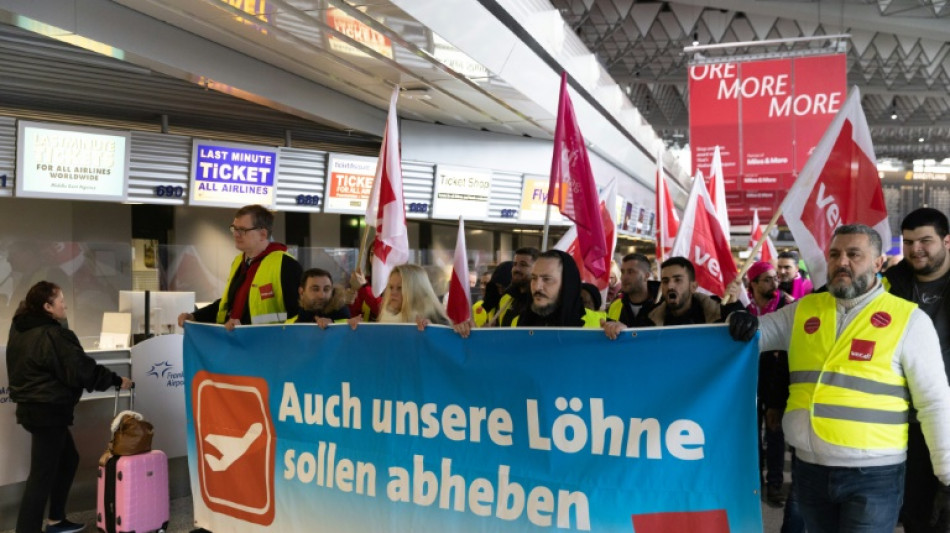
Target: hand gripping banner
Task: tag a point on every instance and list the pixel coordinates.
(386, 428)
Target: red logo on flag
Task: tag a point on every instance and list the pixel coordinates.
(267, 291)
(843, 193)
(235, 443)
(861, 350)
(715, 521)
(812, 325)
(880, 319)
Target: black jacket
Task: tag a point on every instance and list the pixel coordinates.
(48, 371)
(902, 279)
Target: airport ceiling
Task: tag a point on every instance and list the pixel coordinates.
(898, 54)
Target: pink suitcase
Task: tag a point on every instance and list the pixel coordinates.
(132, 494)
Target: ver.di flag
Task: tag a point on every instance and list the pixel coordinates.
(767, 252)
(702, 241)
(386, 210)
(569, 243)
(717, 192)
(838, 185)
(459, 306)
(667, 220)
(572, 186)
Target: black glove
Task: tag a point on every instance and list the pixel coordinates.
(743, 325)
(941, 509)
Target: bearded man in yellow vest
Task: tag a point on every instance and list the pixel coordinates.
(857, 357)
(260, 288)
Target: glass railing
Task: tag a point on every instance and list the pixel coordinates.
(92, 274)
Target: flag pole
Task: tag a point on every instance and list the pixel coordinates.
(755, 249)
(547, 221)
(360, 261)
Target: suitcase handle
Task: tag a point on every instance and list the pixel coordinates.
(118, 391)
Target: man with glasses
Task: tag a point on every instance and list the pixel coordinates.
(260, 288)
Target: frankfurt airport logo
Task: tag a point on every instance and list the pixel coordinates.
(235, 443)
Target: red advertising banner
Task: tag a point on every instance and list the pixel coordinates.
(717, 120)
(766, 117)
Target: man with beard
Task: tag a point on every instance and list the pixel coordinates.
(681, 305)
(638, 293)
(556, 295)
(857, 357)
(320, 301)
(517, 297)
(790, 278)
(922, 278)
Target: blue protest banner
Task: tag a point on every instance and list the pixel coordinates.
(387, 428)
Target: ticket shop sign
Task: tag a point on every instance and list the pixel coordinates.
(349, 183)
(534, 198)
(232, 175)
(71, 162)
(461, 191)
(765, 116)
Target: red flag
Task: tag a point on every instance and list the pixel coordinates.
(459, 306)
(717, 192)
(572, 186)
(386, 210)
(667, 220)
(702, 241)
(767, 251)
(569, 242)
(838, 185)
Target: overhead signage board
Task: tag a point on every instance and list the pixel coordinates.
(71, 162)
(765, 116)
(461, 191)
(349, 183)
(355, 29)
(534, 197)
(232, 175)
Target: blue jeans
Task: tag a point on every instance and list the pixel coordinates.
(849, 500)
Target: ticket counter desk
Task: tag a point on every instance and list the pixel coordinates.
(156, 367)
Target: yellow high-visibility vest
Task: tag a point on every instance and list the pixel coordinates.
(266, 298)
(849, 386)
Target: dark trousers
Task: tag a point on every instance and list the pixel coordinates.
(920, 487)
(53, 464)
(792, 521)
(771, 451)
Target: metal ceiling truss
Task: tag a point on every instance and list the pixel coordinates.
(901, 74)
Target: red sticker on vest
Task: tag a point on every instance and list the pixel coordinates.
(812, 325)
(861, 350)
(880, 319)
(267, 291)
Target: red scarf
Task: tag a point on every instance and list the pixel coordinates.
(250, 269)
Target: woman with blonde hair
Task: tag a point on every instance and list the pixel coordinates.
(409, 298)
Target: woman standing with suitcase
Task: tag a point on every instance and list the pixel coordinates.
(48, 371)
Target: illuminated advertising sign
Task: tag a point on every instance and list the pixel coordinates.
(349, 183)
(534, 197)
(232, 175)
(462, 192)
(71, 162)
(765, 116)
(353, 28)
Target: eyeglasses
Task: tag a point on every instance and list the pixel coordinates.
(240, 231)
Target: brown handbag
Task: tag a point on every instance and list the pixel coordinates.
(132, 436)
